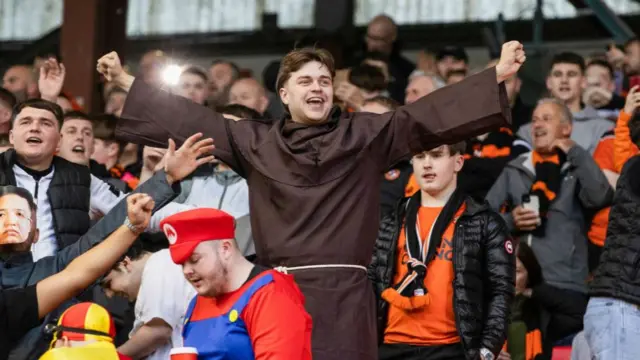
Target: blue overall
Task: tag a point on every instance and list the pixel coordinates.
(224, 337)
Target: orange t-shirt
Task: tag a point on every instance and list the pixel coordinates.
(435, 324)
(412, 186)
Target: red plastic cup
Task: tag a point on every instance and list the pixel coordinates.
(184, 353)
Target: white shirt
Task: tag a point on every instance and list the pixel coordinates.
(102, 200)
(164, 294)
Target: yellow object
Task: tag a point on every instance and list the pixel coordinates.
(88, 316)
(95, 351)
(233, 315)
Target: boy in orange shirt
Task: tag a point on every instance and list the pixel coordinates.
(443, 269)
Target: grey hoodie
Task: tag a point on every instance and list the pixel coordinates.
(224, 190)
(562, 252)
(588, 128)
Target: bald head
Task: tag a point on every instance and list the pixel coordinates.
(381, 34)
(250, 93)
(20, 80)
(418, 87)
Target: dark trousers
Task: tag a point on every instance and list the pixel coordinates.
(411, 352)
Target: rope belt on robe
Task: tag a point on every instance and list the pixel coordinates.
(286, 269)
(410, 293)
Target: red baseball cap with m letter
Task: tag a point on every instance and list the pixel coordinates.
(185, 230)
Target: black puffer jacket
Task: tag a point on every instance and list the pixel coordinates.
(618, 275)
(484, 272)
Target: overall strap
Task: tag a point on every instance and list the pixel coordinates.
(187, 315)
(257, 284)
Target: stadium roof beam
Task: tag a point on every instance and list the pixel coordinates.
(578, 4)
(618, 29)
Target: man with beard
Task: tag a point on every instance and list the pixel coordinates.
(240, 308)
(312, 171)
(221, 75)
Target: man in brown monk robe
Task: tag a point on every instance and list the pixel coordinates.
(315, 175)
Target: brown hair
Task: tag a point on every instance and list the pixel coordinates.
(296, 59)
(104, 128)
(4, 140)
(387, 102)
(76, 115)
(41, 104)
(458, 148)
(194, 70)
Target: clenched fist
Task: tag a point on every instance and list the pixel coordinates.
(139, 207)
(110, 67)
(511, 59)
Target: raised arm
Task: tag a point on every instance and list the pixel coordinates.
(87, 268)
(160, 190)
(624, 148)
(595, 192)
(151, 116)
(179, 164)
(454, 113)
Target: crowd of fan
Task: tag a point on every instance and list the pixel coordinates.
(588, 113)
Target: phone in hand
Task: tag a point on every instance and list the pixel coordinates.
(531, 202)
(634, 81)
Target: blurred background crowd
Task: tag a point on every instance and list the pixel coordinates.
(224, 54)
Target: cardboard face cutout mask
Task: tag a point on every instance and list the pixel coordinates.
(15, 220)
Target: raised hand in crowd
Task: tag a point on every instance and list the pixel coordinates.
(139, 208)
(194, 152)
(525, 219)
(51, 79)
(511, 59)
(350, 95)
(110, 67)
(85, 269)
(633, 101)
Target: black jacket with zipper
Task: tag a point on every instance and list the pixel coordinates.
(618, 275)
(484, 274)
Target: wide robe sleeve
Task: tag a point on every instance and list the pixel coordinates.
(151, 116)
(474, 106)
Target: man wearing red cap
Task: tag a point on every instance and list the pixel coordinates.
(242, 311)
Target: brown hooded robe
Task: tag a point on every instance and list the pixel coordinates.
(314, 190)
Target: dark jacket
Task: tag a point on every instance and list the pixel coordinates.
(69, 196)
(562, 251)
(393, 186)
(484, 274)
(617, 275)
(19, 270)
(556, 313)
